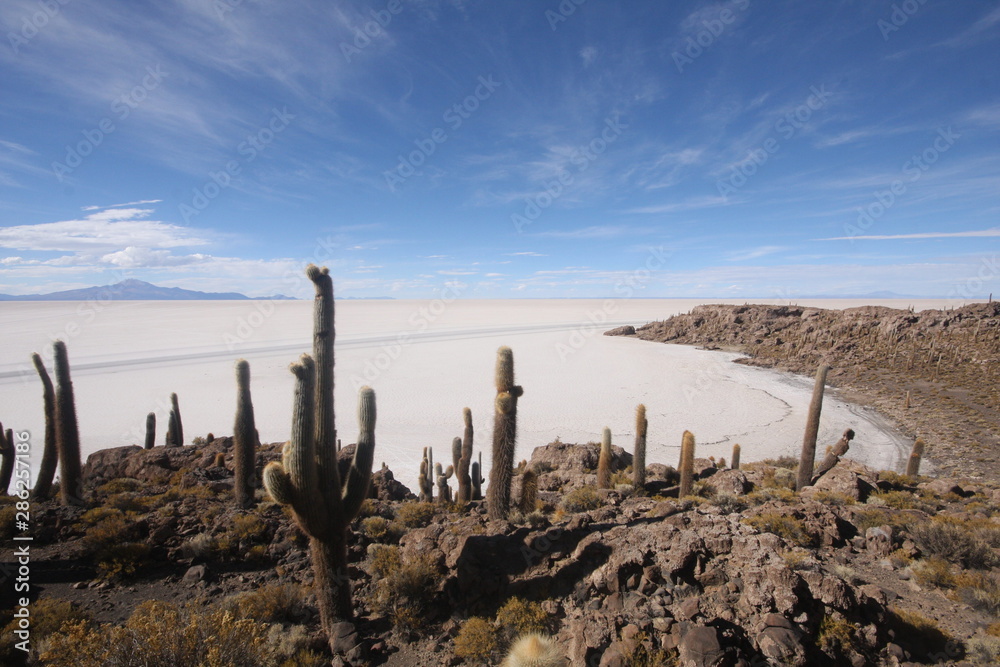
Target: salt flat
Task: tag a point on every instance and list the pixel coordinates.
(426, 360)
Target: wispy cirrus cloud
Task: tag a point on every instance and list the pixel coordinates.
(919, 235)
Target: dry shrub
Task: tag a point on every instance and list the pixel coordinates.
(784, 526)
(519, 617)
(955, 541)
(898, 500)
(934, 571)
(833, 498)
(48, 615)
(415, 514)
(769, 493)
(160, 634)
(274, 603)
(406, 593)
(979, 590)
(729, 503)
(581, 499)
(476, 641)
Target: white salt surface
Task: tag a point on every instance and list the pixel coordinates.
(426, 361)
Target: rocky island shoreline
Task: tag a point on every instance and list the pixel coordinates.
(224, 551)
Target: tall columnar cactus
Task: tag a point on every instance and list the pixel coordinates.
(244, 439)
(639, 458)
(442, 477)
(735, 465)
(504, 436)
(463, 460)
(808, 458)
(6, 459)
(604, 461)
(150, 431)
(475, 472)
(686, 467)
(426, 479)
(50, 454)
(529, 491)
(175, 418)
(67, 431)
(916, 454)
(308, 481)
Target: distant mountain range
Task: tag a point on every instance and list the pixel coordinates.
(136, 290)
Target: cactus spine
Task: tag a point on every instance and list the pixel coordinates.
(67, 431)
(504, 436)
(150, 430)
(535, 650)
(244, 439)
(50, 455)
(477, 478)
(7, 454)
(308, 478)
(808, 458)
(463, 460)
(736, 457)
(916, 454)
(639, 458)
(604, 461)
(686, 465)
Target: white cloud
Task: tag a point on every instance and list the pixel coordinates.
(688, 205)
(920, 235)
(754, 253)
(108, 230)
(525, 254)
(592, 232)
(588, 54)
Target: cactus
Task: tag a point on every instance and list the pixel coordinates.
(424, 481)
(639, 458)
(50, 454)
(808, 457)
(917, 453)
(604, 461)
(7, 464)
(529, 491)
(442, 477)
(463, 460)
(833, 455)
(535, 650)
(244, 439)
(67, 431)
(722, 463)
(504, 436)
(220, 460)
(308, 479)
(735, 465)
(176, 428)
(686, 465)
(477, 478)
(150, 430)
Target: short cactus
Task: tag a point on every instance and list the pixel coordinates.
(504, 436)
(808, 457)
(475, 473)
(916, 454)
(639, 457)
(442, 477)
(735, 465)
(220, 460)
(604, 461)
(686, 467)
(833, 455)
(50, 454)
(463, 460)
(244, 439)
(150, 431)
(534, 650)
(175, 433)
(67, 431)
(529, 491)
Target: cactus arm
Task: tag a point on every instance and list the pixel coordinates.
(324, 334)
(278, 484)
(360, 473)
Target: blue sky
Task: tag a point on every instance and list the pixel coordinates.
(502, 149)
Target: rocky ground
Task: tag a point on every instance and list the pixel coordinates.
(863, 568)
(946, 361)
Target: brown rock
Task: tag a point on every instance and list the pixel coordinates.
(699, 646)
